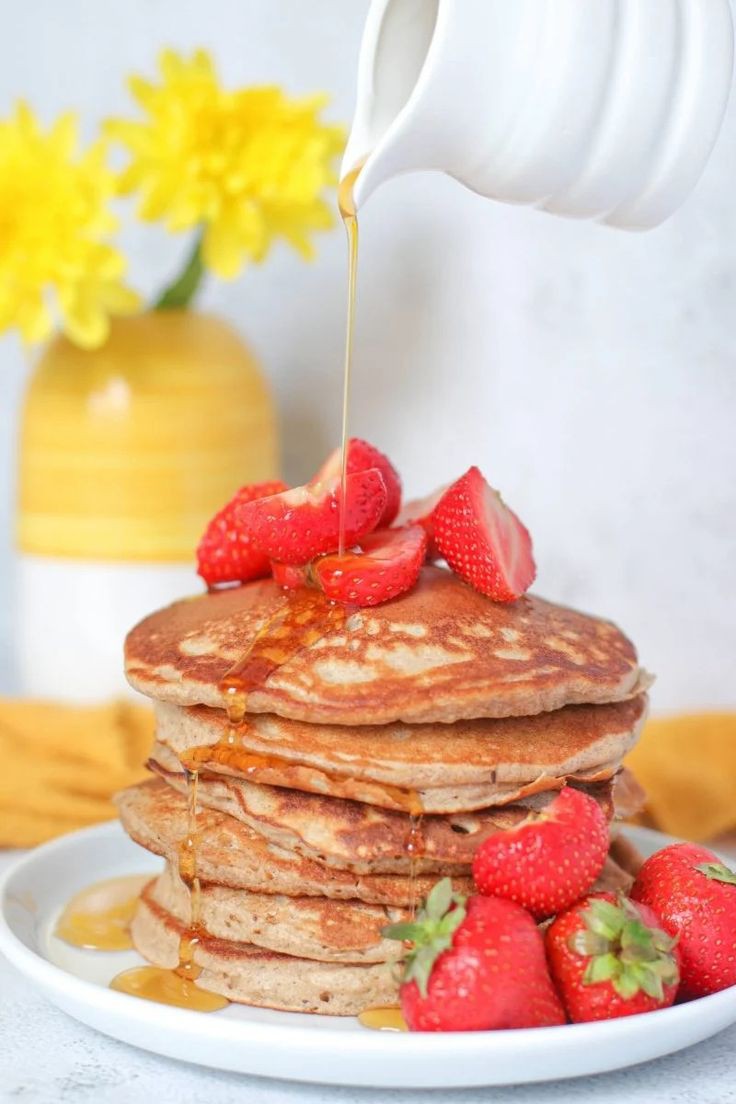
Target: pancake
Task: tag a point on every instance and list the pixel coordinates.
(438, 768)
(230, 853)
(317, 928)
(440, 652)
(251, 975)
(308, 927)
(354, 836)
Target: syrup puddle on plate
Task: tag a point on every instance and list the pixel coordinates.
(98, 918)
(383, 1019)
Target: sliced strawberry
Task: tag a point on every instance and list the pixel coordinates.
(291, 576)
(225, 553)
(361, 456)
(297, 525)
(420, 511)
(388, 563)
(483, 541)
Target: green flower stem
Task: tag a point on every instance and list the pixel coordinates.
(179, 294)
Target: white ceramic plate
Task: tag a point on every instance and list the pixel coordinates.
(299, 1047)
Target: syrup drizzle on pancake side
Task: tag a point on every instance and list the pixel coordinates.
(303, 617)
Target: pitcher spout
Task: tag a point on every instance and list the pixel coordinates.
(397, 42)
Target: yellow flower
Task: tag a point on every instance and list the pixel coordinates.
(248, 166)
(55, 259)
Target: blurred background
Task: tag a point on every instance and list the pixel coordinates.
(588, 371)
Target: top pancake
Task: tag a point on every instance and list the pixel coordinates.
(440, 652)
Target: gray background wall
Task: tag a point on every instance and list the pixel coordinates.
(589, 372)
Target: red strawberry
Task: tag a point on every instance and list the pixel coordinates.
(291, 576)
(483, 540)
(476, 965)
(362, 456)
(609, 957)
(226, 553)
(550, 859)
(694, 895)
(297, 525)
(420, 511)
(387, 563)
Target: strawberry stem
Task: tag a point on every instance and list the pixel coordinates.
(431, 933)
(718, 872)
(624, 951)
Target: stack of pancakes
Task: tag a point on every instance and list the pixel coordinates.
(371, 761)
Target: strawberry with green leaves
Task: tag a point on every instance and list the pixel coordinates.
(610, 957)
(476, 964)
(694, 895)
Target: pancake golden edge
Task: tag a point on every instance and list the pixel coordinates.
(478, 762)
(364, 838)
(267, 978)
(231, 853)
(252, 975)
(440, 652)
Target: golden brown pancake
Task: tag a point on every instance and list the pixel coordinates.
(351, 835)
(230, 853)
(316, 927)
(441, 768)
(251, 975)
(309, 927)
(440, 652)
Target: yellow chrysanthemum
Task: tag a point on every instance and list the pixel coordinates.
(55, 257)
(248, 166)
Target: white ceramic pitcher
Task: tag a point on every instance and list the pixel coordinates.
(600, 109)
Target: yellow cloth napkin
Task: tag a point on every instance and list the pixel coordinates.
(59, 764)
(687, 765)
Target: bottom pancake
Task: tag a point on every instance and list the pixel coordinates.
(251, 975)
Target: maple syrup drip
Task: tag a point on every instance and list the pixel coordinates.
(99, 917)
(272, 770)
(303, 619)
(383, 1019)
(155, 983)
(346, 205)
(414, 847)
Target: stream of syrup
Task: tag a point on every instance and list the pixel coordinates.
(303, 618)
(346, 206)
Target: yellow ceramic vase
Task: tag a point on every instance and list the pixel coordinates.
(125, 453)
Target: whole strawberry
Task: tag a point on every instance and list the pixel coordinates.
(609, 958)
(226, 553)
(694, 895)
(477, 964)
(550, 860)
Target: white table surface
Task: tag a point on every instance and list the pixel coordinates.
(48, 1058)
